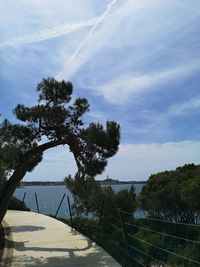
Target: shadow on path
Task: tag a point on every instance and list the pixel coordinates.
(72, 258)
(86, 261)
(21, 246)
(24, 228)
(49, 243)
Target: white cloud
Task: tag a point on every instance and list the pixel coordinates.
(46, 34)
(57, 163)
(58, 154)
(139, 161)
(184, 107)
(138, 46)
(161, 120)
(66, 68)
(133, 161)
(137, 23)
(100, 35)
(119, 91)
(97, 114)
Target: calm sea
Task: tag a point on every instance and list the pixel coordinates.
(49, 197)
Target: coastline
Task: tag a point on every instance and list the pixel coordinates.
(57, 183)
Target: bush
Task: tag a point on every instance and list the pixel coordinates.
(16, 204)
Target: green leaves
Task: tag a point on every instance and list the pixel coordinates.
(76, 111)
(59, 123)
(173, 195)
(89, 196)
(53, 92)
(107, 140)
(49, 124)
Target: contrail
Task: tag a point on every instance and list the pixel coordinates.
(46, 34)
(101, 18)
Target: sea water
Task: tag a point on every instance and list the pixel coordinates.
(49, 198)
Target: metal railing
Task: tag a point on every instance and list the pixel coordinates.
(116, 231)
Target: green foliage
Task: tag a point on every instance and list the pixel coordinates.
(190, 251)
(97, 213)
(54, 92)
(87, 226)
(16, 204)
(124, 199)
(53, 118)
(106, 140)
(174, 248)
(3, 175)
(173, 195)
(16, 140)
(54, 122)
(89, 196)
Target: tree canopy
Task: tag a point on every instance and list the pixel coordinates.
(173, 195)
(89, 196)
(50, 123)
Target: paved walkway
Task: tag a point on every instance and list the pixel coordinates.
(37, 240)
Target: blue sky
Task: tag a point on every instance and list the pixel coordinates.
(137, 62)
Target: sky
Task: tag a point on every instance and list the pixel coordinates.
(136, 61)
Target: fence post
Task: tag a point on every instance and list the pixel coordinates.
(125, 237)
(60, 204)
(70, 212)
(100, 217)
(36, 199)
(24, 197)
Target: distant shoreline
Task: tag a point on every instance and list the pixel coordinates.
(54, 183)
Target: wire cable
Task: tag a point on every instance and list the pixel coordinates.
(112, 216)
(161, 220)
(111, 249)
(148, 255)
(115, 227)
(141, 263)
(179, 223)
(165, 250)
(164, 234)
(118, 238)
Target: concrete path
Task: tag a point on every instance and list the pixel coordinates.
(38, 240)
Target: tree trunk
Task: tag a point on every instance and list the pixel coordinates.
(10, 188)
(20, 172)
